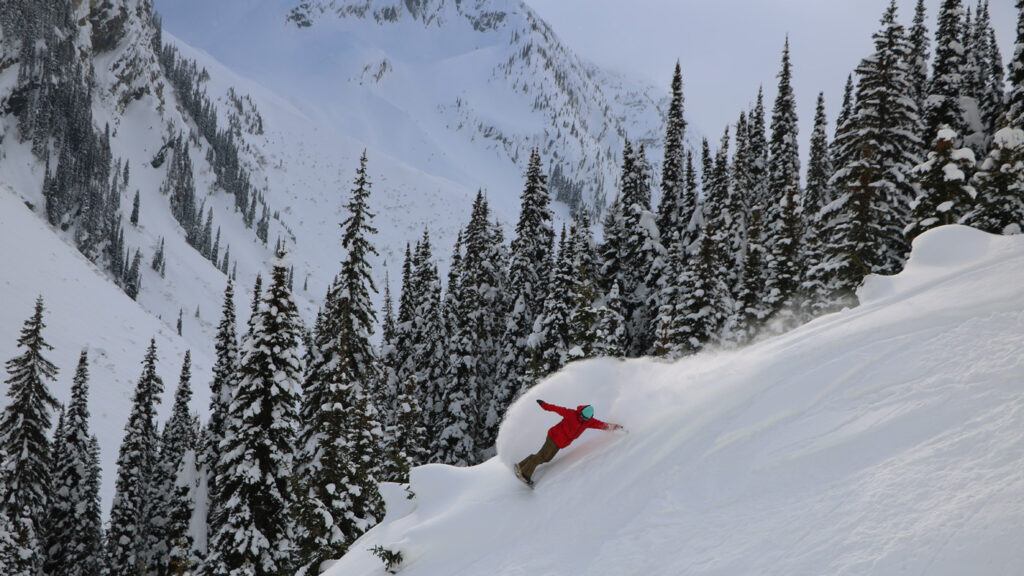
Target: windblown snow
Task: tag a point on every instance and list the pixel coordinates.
(880, 440)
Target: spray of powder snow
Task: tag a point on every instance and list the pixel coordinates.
(618, 396)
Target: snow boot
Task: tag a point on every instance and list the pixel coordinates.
(519, 474)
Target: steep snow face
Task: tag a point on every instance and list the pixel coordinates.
(880, 440)
(84, 310)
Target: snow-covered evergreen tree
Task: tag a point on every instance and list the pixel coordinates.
(992, 75)
(585, 290)
(610, 328)
(340, 440)
(128, 538)
(631, 248)
(703, 310)
(738, 203)
(817, 195)
(407, 441)
(427, 334)
(920, 52)
(673, 208)
(24, 429)
(401, 414)
(946, 195)
(842, 151)
(171, 541)
(222, 389)
(1000, 186)
(399, 362)
(723, 218)
(783, 219)
(551, 338)
(530, 260)
(75, 532)
(751, 308)
(943, 106)
(873, 186)
(254, 528)
(475, 398)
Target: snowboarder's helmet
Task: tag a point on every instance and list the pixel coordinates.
(587, 412)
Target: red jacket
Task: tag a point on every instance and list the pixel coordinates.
(572, 424)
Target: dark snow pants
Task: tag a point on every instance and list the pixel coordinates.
(546, 453)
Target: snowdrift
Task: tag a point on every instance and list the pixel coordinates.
(884, 439)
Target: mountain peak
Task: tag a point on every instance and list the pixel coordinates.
(484, 15)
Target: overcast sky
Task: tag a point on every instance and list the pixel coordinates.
(727, 48)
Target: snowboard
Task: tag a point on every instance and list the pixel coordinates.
(519, 474)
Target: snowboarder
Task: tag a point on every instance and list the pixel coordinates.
(573, 423)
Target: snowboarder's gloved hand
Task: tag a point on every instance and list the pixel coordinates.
(619, 428)
(540, 402)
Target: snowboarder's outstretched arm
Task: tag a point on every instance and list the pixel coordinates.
(561, 411)
(599, 425)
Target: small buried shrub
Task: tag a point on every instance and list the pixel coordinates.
(390, 558)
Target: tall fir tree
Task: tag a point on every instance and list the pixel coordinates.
(751, 306)
(428, 333)
(128, 538)
(920, 54)
(873, 186)
(631, 248)
(254, 534)
(75, 532)
(722, 217)
(993, 97)
(462, 431)
(24, 429)
(817, 196)
(551, 338)
(943, 106)
(784, 221)
(386, 391)
(672, 209)
(223, 388)
(757, 145)
(610, 329)
(405, 433)
(702, 312)
(531, 256)
(842, 151)
(584, 289)
(400, 360)
(819, 166)
(341, 434)
(172, 542)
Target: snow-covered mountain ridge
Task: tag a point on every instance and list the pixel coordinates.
(488, 81)
(884, 439)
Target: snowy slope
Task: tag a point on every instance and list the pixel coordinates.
(885, 439)
(85, 310)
